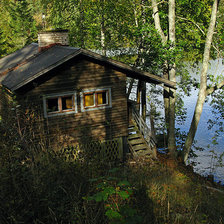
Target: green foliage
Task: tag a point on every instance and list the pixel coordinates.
(181, 111)
(216, 123)
(22, 22)
(115, 194)
(126, 24)
(2, 45)
(17, 24)
(88, 18)
(192, 23)
(216, 161)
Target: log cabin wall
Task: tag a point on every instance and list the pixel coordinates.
(78, 75)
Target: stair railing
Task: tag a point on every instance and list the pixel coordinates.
(143, 127)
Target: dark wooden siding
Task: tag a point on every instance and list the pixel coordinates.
(79, 75)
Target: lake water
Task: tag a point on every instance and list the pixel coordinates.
(205, 162)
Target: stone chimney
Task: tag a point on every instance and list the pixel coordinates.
(47, 39)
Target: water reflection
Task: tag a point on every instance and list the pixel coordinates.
(204, 138)
(205, 162)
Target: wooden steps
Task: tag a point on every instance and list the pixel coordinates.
(136, 141)
(133, 136)
(137, 144)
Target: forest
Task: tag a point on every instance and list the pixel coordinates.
(40, 186)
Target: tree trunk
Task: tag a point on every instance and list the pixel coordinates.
(166, 90)
(130, 87)
(157, 21)
(103, 37)
(203, 84)
(141, 62)
(166, 100)
(82, 19)
(102, 30)
(172, 77)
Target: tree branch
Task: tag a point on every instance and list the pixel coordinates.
(202, 31)
(213, 88)
(145, 6)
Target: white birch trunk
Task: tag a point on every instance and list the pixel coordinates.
(203, 84)
(172, 77)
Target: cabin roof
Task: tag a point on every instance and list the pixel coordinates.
(12, 60)
(17, 57)
(26, 65)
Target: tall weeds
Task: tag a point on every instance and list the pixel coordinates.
(39, 185)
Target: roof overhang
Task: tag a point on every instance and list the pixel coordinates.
(72, 53)
(131, 71)
(44, 71)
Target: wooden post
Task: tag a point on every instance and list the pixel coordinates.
(138, 96)
(143, 100)
(120, 148)
(152, 112)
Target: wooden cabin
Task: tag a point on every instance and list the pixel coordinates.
(77, 95)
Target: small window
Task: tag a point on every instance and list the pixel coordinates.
(52, 105)
(67, 102)
(102, 98)
(89, 100)
(95, 99)
(60, 104)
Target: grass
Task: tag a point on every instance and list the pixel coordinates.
(177, 194)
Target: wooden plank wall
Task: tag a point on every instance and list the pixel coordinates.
(85, 126)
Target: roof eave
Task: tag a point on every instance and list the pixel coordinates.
(37, 75)
(130, 71)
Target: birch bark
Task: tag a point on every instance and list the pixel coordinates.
(172, 77)
(203, 84)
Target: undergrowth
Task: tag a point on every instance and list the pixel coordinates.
(39, 186)
(177, 195)
(48, 189)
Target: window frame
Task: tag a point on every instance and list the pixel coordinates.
(60, 111)
(96, 106)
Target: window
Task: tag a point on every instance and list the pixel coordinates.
(59, 104)
(102, 98)
(89, 100)
(95, 99)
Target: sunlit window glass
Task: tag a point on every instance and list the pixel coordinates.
(101, 98)
(67, 103)
(88, 100)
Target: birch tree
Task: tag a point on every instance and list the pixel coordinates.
(204, 91)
